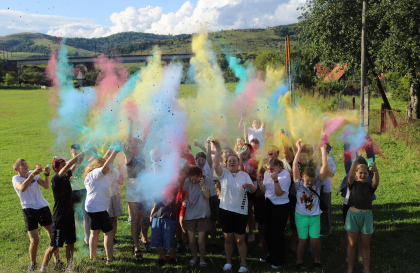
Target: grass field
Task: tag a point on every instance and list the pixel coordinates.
(395, 243)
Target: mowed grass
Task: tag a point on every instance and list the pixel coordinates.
(395, 244)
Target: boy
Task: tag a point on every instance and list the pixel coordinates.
(307, 215)
(34, 206)
(63, 227)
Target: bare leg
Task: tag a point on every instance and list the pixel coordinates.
(135, 223)
(56, 253)
(109, 245)
(48, 254)
(240, 242)
(202, 245)
(86, 226)
(93, 243)
(69, 253)
(300, 250)
(365, 242)
(316, 246)
(114, 221)
(229, 237)
(33, 245)
(161, 252)
(193, 246)
(351, 249)
(359, 246)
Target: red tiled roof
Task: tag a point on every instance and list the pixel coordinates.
(335, 74)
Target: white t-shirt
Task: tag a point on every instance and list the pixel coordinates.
(307, 201)
(284, 182)
(209, 172)
(113, 177)
(155, 157)
(97, 187)
(327, 182)
(258, 134)
(233, 196)
(32, 197)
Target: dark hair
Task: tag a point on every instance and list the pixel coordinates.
(251, 150)
(361, 160)
(237, 157)
(56, 163)
(328, 149)
(200, 154)
(75, 147)
(309, 172)
(195, 171)
(307, 149)
(274, 162)
(255, 141)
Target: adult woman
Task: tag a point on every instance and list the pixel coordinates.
(197, 215)
(276, 210)
(97, 203)
(233, 205)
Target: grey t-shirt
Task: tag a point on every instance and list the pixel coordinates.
(361, 195)
(198, 205)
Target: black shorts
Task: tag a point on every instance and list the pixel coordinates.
(34, 216)
(78, 199)
(259, 209)
(100, 220)
(214, 203)
(233, 222)
(63, 230)
(292, 208)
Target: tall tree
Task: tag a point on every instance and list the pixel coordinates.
(332, 30)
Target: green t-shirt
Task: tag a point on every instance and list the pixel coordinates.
(78, 181)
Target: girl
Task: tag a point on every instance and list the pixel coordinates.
(276, 210)
(238, 145)
(97, 203)
(359, 217)
(307, 215)
(197, 215)
(233, 205)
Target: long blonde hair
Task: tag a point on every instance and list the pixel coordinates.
(97, 163)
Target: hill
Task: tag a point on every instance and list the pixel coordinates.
(24, 45)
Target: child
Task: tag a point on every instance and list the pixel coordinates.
(34, 206)
(276, 210)
(256, 132)
(115, 206)
(359, 217)
(97, 203)
(238, 145)
(307, 215)
(63, 227)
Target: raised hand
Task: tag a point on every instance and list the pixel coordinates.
(298, 144)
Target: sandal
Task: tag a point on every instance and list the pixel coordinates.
(192, 262)
(146, 246)
(109, 261)
(102, 259)
(138, 256)
(203, 264)
(300, 266)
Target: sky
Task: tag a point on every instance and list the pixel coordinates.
(92, 19)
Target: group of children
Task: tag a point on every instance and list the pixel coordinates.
(237, 188)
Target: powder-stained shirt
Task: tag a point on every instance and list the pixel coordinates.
(198, 205)
(135, 166)
(78, 181)
(307, 201)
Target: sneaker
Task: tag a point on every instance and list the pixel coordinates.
(161, 263)
(33, 267)
(129, 220)
(43, 269)
(275, 266)
(173, 261)
(266, 259)
(243, 269)
(58, 265)
(227, 267)
(251, 238)
(180, 246)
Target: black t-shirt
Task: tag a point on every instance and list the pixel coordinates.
(361, 195)
(61, 188)
(167, 212)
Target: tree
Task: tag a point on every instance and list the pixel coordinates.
(10, 78)
(302, 66)
(332, 31)
(268, 57)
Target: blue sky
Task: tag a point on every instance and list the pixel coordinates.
(89, 19)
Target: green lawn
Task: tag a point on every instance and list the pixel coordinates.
(395, 244)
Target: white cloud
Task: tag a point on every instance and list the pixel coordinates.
(218, 14)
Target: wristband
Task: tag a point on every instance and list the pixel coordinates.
(261, 184)
(275, 182)
(33, 174)
(46, 174)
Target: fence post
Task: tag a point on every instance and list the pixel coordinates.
(313, 92)
(353, 102)
(383, 117)
(366, 108)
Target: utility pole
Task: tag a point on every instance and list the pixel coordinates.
(362, 63)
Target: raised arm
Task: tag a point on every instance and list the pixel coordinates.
(323, 172)
(208, 152)
(70, 164)
(296, 173)
(197, 144)
(216, 162)
(45, 183)
(277, 189)
(246, 134)
(23, 186)
(240, 122)
(206, 192)
(352, 172)
(106, 167)
(375, 182)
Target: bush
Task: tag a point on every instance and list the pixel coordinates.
(398, 85)
(10, 78)
(269, 57)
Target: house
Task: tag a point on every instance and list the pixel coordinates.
(337, 73)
